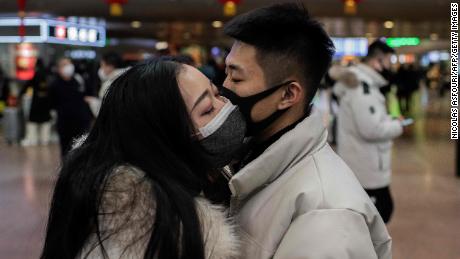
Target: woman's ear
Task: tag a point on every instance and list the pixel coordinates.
(292, 95)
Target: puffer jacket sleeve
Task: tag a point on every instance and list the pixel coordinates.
(331, 234)
(370, 122)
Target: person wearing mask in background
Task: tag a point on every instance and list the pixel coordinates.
(293, 197)
(111, 68)
(365, 130)
(67, 97)
(38, 126)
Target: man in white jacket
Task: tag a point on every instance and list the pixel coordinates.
(293, 197)
(365, 130)
(111, 67)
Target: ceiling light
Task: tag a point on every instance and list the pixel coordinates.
(161, 45)
(136, 24)
(217, 24)
(389, 24)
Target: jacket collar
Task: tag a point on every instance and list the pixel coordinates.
(370, 76)
(305, 139)
(115, 74)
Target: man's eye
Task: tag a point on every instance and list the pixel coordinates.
(236, 80)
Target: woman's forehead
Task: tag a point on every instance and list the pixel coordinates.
(192, 83)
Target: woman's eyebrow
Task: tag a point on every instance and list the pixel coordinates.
(199, 99)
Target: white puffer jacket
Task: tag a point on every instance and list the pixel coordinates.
(364, 128)
(298, 199)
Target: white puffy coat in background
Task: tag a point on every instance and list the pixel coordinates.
(365, 130)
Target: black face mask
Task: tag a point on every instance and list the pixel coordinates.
(246, 104)
(388, 75)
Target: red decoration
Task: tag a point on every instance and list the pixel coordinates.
(22, 14)
(116, 8)
(21, 5)
(226, 1)
(26, 58)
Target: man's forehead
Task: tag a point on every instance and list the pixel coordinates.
(241, 56)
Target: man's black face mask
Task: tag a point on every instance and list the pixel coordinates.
(246, 104)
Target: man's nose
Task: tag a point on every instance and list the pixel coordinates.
(225, 84)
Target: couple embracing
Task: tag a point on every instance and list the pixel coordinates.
(137, 185)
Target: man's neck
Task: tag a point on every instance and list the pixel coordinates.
(270, 136)
(281, 123)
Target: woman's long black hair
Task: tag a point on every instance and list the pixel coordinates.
(143, 122)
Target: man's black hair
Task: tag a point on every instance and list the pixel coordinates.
(287, 42)
(378, 48)
(113, 59)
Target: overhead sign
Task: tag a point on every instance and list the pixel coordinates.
(399, 42)
(350, 46)
(52, 31)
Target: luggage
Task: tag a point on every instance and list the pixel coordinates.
(12, 125)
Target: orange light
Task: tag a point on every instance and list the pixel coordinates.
(350, 7)
(116, 9)
(230, 8)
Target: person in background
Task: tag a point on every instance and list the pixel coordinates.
(38, 126)
(4, 91)
(111, 68)
(87, 69)
(365, 130)
(67, 96)
(407, 80)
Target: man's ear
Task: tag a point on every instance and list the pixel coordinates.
(292, 94)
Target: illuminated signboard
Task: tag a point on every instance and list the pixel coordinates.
(399, 42)
(350, 46)
(52, 31)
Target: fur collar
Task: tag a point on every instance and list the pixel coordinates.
(126, 206)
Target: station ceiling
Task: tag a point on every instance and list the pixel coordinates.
(208, 10)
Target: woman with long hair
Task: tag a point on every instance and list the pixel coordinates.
(132, 188)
